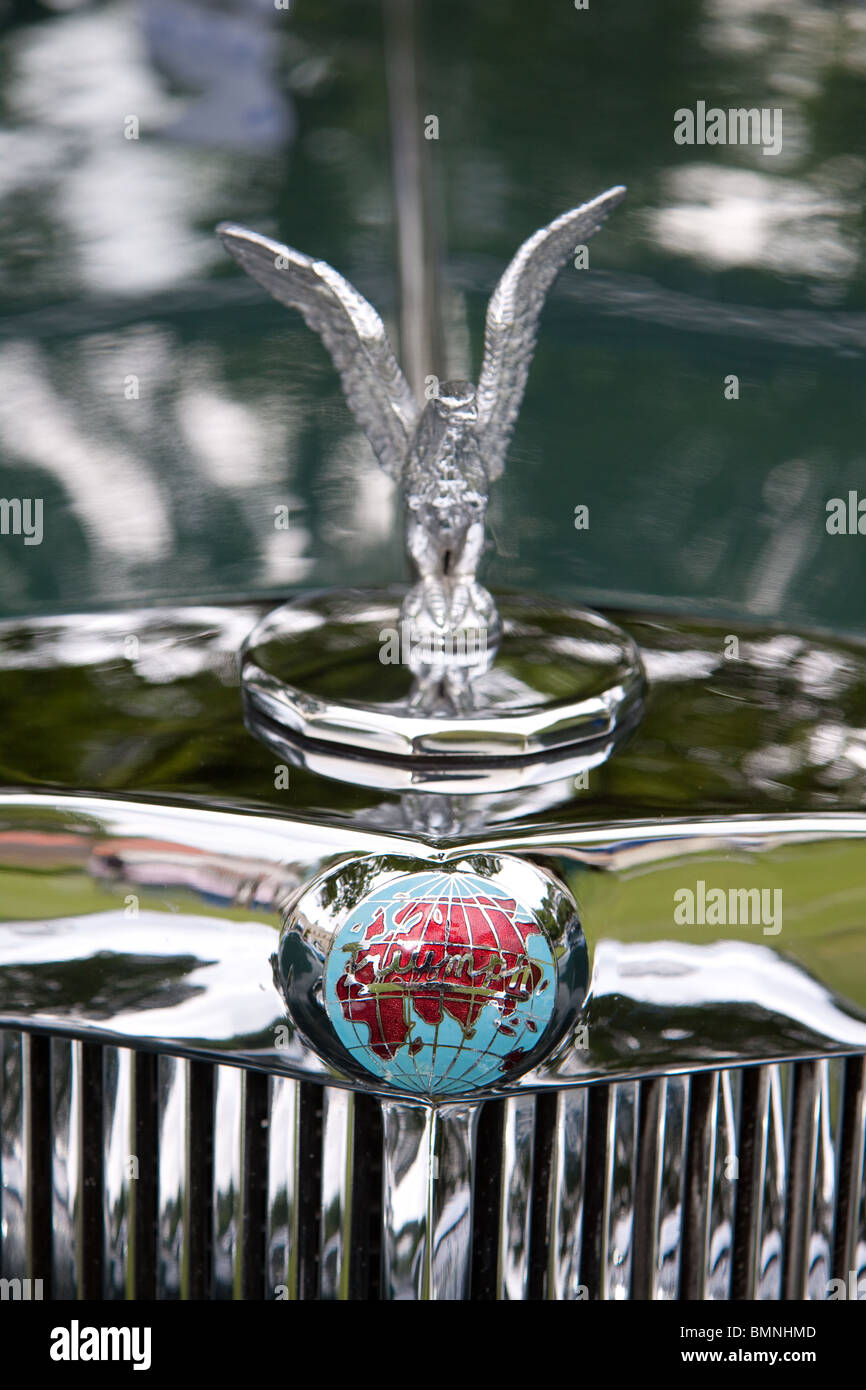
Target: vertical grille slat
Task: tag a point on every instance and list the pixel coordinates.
(127, 1174)
(541, 1212)
(13, 1159)
(567, 1194)
(172, 1141)
(145, 1185)
(118, 1180)
(596, 1186)
(700, 1164)
(37, 1131)
(428, 1168)
(281, 1225)
(850, 1239)
(90, 1057)
(811, 1185)
(660, 1189)
(66, 1176)
(338, 1135)
(227, 1188)
(620, 1190)
(761, 1197)
(712, 1167)
(516, 1200)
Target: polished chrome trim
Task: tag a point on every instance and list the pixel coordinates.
(850, 1261)
(665, 1138)
(762, 1181)
(708, 1218)
(427, 1174)
(812, 1182)
(338, 1158)
(13, 1160)
(421, 338)
(120, 1171)
(281, 1231)
(518, 1148)
(183, 908)
(171, 1233)
(620, 1188)
(66, 1183)
(227, 1183)
(567, 1196)
(514, 735)
(594, 1190)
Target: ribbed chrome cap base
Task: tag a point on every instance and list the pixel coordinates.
(364, 698)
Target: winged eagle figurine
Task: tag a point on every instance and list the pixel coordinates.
(446, 454)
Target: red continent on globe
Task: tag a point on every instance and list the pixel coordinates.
(454, 956)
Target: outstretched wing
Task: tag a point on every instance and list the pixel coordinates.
(377, 392)
(512, 320)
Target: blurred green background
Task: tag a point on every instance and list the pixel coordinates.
(163, 407)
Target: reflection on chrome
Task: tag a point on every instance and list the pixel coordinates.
(732, 217)
(427, 1236)
(515, 1204)
(337, 1161)
(164, 922)
(620, 1190)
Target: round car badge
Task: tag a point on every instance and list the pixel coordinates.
(436, 981)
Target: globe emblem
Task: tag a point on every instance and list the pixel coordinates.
(440, 983)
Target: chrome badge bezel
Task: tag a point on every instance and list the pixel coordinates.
(316, 927)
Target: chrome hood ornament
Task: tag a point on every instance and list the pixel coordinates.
(473, 678)
(446, 455)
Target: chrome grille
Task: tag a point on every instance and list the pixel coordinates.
(126, 1174)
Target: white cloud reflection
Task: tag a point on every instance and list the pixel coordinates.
(110, 489)
(729, 217)
(128, 206)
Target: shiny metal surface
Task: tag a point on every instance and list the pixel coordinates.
(66, 1186)
(775, 730)
(518, 1144)
(812, 1184)
(283, 1198)
(620, 1191)
(850, 1244)
(494, 946)
(713, 1166)
(338, 1159)
(567, 1195)
(305, 1190)
(445, 455)
(227, 1182)
(13, 1157)
(428, 1173)
(761, 1194)
(328, 683)
(162, 926)
(121, 1170)
(798, 746)
(665, 1137)
(172, 1234)
(469, 790)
